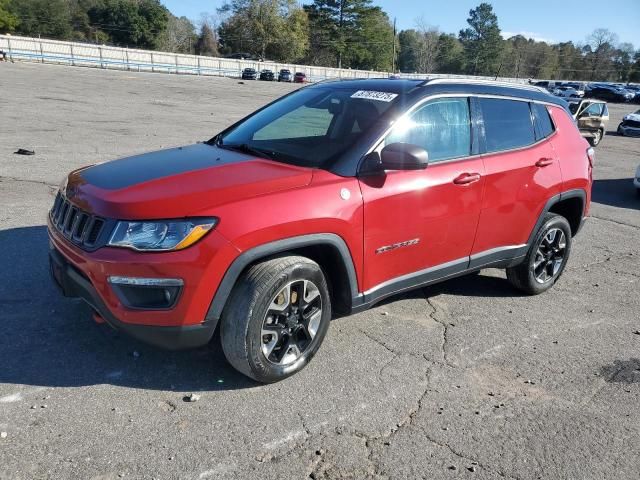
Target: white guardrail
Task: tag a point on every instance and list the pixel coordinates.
(116, 58)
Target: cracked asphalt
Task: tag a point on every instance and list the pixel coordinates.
(465, 379)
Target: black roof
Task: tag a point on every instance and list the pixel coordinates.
(422, 88)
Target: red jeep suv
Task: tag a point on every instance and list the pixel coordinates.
(323, 203)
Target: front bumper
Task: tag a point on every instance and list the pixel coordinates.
(74, 284)
(187, 324)
(628, 131)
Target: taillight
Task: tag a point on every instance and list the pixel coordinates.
(591, 153)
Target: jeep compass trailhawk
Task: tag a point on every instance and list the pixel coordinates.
(323, 203)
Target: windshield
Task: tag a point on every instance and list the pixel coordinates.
(310, 127)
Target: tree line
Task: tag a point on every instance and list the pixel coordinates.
(336, 33)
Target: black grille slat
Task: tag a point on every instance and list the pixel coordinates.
(78, 226)
(68, 222)
(631, 123)
(63, 214)
(94, 231)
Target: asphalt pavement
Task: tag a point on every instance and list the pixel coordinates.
(465, 379)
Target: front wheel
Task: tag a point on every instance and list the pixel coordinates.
(276, 318)
(597, 137)
(546, 259)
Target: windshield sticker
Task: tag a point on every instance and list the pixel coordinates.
(379, 96)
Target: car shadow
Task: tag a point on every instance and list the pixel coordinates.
(618, 192)
(52, 341)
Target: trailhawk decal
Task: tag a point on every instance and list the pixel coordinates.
(388, 248)
(371, 95)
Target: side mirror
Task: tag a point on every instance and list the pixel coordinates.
(403, 156)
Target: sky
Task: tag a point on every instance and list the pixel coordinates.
(549, 20)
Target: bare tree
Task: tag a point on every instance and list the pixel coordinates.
(428, 47)
(601, 45)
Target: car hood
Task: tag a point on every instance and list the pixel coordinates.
(178, 182)
(632, 116)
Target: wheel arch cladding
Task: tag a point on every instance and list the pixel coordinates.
(327, 249)
(572, 209)
(570, 204)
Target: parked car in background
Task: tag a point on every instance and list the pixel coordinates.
(610, 94)
(267, 75)
(630, 125)
(260, 230)
(636, 181)
(591, 117)
(300, 77)
(249, 74)
(243, 56)
(635, 89)
(546, 84)
(567, 92)
(285, 75)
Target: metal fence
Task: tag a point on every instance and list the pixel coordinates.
(116, 58)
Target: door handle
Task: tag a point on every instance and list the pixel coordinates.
(544, 162)
(466, 178)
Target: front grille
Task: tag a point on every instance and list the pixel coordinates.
(78, 226)
(631, 123)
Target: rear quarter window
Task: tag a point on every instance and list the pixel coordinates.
(507, 124)
(544, 125)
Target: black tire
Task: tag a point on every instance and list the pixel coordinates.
(594, 141)
(523, 276)
(247, 308)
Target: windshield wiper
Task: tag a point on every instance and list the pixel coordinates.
(246, 148)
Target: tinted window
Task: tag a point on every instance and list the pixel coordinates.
(544, 125)
(507, 124)
(441, 127)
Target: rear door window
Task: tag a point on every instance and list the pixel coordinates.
(507, 124)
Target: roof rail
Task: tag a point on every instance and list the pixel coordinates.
(523, 86)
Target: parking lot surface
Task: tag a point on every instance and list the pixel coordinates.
(466, 379)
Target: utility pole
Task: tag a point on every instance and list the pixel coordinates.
(393, 61)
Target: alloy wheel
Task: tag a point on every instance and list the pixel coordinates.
(291, 322)
(549, 255)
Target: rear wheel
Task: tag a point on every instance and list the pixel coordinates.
(546, 259)
(276, 318)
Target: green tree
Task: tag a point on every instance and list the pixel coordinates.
(135, 23)
(48, 18)
(450, 57)
(410, 44)
(482, 41)
(8, 19)
(354, 33)
(261, 27)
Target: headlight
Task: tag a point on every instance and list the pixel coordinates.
(160, 235)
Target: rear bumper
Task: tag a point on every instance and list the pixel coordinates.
(73, 283)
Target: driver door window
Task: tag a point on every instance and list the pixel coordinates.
(594, 110)
(442, 127)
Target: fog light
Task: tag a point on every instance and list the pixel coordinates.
(147, 293)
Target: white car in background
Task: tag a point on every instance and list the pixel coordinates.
(568, 92)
